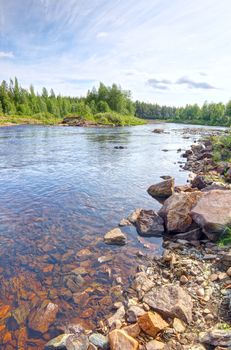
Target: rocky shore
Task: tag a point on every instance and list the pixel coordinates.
(182, 299)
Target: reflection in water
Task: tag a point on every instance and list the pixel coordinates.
(61, 189)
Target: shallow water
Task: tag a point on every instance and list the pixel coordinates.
(61, 189)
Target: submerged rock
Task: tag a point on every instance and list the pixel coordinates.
(115, 236)
(68, 342)
(170, 301)
(42, 317)
(120, 340)
(213, 212)
(149, 223)
(162, 189)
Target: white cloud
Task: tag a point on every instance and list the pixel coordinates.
(4, 54)
(167, 38)
(102, 35)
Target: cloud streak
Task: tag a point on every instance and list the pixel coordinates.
(194, 84)
(4, 54)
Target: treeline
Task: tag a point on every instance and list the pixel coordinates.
(15, 100)
(209, 113)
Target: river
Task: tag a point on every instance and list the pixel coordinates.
(61, 190)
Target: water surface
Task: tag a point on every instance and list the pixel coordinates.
(61, 189)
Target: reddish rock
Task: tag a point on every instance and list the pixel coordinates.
(213, 212)
(176, 211)
(152, 323)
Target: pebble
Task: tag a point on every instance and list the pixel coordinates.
(183, 279)
(229, 272)
(200, 292)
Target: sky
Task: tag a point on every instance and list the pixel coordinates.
(170, 52)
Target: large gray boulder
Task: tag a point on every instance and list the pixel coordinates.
(213, 212)
(170, 301)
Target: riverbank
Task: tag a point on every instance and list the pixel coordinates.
(109, 119)
(180, 300)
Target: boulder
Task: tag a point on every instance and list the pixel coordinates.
(163, 189)
(115, 236)
(149, 223)
(170, 301)
(152, 323)
(120, 340)
(216, 337)
(176, 211)
(42, 317)
(213, 212)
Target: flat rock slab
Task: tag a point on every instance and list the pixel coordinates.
(170, 301)
(213, 212)
(115, 236)
(149, 223)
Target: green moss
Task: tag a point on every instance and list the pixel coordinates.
(225, 238)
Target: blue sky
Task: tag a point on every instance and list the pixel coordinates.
(167, 51)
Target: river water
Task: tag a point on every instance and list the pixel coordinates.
(61, 190)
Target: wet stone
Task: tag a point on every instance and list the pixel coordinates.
(42, 317)
(99, 340)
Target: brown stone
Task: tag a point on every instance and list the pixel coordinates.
(120, 340)
(176, 211)
(42, 317)
(115, 236)
(155, 345)
(170, 301)
(152, 323)
(213, 212)
(133, 330)
(163, 189)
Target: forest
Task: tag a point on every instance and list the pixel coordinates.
(107, 104)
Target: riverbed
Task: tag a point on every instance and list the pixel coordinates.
(61, 190)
